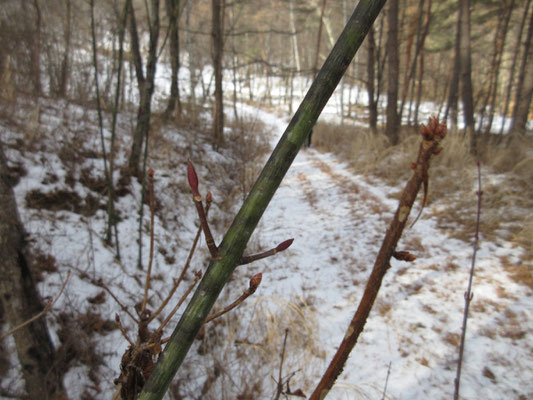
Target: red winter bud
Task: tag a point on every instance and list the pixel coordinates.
(284, 245)
(255, 281)
(209, 197)
(193, 178)
(151, 173)
(404, 256)
(413, 165)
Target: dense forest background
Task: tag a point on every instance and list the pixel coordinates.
(103, 104)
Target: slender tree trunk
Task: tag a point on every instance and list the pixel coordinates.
(513, 65)
(393, 121)
(145, 84)
(370, 67)
(35, 52)
(319, 38)
(498, 52)
(294, 37)
(524, 91)
(173, 11)
(466, 74)
(217, 30)
(240, 231)
(21, 301)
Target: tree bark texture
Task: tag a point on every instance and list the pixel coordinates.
(237, 236)
(466, 74)
(174, 11)
(370, 81)
(393, 120)
(21, 301)
(217, 30)
(145, 83)
(513, 65)
(524, 90)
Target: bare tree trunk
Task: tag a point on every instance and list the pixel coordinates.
(497, 60)
(217, 30)
(35, 51)
(453, 94)
(393, 120)
(370, 81)
(294, 37)
(466, 74)
(65, 63)
(319, 38)
(173, 11)
(21, 301)
(145, 84)
(524, 91)
(513, 65)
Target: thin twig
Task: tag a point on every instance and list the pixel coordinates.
(279, 390)
(46, 308)
(193, 182)
(180, 302)
(151, 256)
(280, 247)
(254, 283)
(124, 333)
(386, 381)
(101, 284)
(468, 294)
(182, 275)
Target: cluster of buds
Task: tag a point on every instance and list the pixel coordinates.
(213, 248)
(434, 130)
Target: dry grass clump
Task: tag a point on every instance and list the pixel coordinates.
(242, 351)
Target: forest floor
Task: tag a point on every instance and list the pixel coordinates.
(338, 219)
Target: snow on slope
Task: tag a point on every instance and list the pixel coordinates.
(338, 220)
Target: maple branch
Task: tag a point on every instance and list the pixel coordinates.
(432, 135)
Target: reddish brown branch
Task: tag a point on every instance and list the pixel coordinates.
(193, 182)
(432, 135)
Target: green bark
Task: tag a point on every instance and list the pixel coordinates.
(236, 239)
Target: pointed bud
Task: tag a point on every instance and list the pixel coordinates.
(413, 165)
(404, 256)
(193, 178)
(284, 245)
(255, 281)
(151, 173)
(209, 197)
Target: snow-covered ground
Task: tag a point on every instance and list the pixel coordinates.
(337, 219)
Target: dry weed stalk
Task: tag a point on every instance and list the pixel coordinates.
(431, 138)
(468, 294)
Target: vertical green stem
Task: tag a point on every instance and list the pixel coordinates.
(236, 239)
